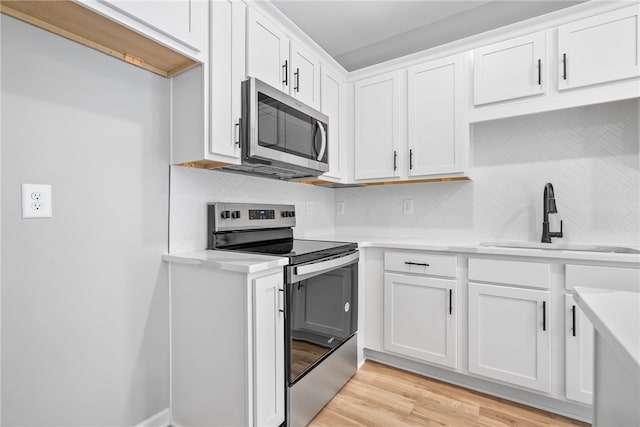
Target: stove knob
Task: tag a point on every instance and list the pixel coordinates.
(235, 214)
(292, 214)
(225, 214)
(285, 214)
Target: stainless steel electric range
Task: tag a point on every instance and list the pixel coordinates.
(321, 294)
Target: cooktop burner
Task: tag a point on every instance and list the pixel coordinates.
(298, 250)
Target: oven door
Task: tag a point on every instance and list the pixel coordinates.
(322, 309)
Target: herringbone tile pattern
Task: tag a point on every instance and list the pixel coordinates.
(590, 154)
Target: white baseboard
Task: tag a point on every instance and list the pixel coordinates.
(161, 419)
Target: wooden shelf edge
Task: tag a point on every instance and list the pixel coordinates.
(115, 53)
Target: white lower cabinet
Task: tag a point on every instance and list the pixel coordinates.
(227, 347)
(420, 306)
(509, 335)
(420, 318)
(578, 353)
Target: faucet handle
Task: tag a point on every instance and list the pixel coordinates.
(556, 233)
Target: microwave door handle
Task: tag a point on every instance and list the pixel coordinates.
(323, 135)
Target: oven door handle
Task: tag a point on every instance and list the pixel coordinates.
(302, 272)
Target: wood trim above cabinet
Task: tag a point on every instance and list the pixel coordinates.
(77, 23)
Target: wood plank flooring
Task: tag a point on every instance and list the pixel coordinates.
(379, 395)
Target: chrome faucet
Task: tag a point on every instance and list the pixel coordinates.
(549, 206)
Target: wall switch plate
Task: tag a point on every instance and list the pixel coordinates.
(340, 208)
(308, 207)
(36, 201)
(407, 206)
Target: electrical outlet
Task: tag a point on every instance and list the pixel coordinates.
(407, 206)
(340, 208)
(36, 201)
(308, 207)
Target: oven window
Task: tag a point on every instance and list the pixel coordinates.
(285, 129)
(323, 314)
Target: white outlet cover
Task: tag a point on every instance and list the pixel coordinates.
(407, 206)
(340, 208)
(36, 201)
(308, 207)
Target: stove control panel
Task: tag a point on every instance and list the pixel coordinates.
(249, 216)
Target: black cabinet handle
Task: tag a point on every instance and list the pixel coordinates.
(573, 320)
(395, 160)
(297, 81)
(450, 301)
(286, 72)
(283, 309)
(564, 66)
(540, 72)
(410, 159)
(417, 263)
(237, 129)
(544, 315)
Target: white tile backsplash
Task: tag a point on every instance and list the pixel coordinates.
(590, 154)
(192, 189)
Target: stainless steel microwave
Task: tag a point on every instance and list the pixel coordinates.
(280, 136)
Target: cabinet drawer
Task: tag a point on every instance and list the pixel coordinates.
(623, 279)
(420, 263)
(520, 273)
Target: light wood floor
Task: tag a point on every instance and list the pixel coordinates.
(379, 395)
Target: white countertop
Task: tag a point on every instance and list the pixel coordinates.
(476, 248)
(616, 317)
(252, 263)
(228, 260)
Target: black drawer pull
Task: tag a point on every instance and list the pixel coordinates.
(450, 301)
(573, 320)
(564, 66)
(417, 263)
(544, 315)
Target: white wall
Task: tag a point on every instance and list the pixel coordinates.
(590, 154)
(192, 189)
(85, 293)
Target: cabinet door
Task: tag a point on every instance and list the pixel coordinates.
(578, 353)
(509, 335)
(599, 49)
(438, 132)
(305, 76)
(227, 72)
(419, 318)
(332, 104)
(377, 127)
(183, 20)
(268, 351)
(268, 51)
(510, 69)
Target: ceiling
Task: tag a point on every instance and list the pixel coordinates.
(359, 33)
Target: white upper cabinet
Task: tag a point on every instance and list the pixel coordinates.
(377, 127)
(268, 52)
(599, 49)
(183, 20)
(227, 72)
(438, 131)
(510, 69)
(305, 76)
(206, 100)
(280, 61)
(333, 105)
(578, 353)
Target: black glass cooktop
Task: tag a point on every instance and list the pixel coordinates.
(298, 250)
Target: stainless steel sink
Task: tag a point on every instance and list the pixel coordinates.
(562, 247)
